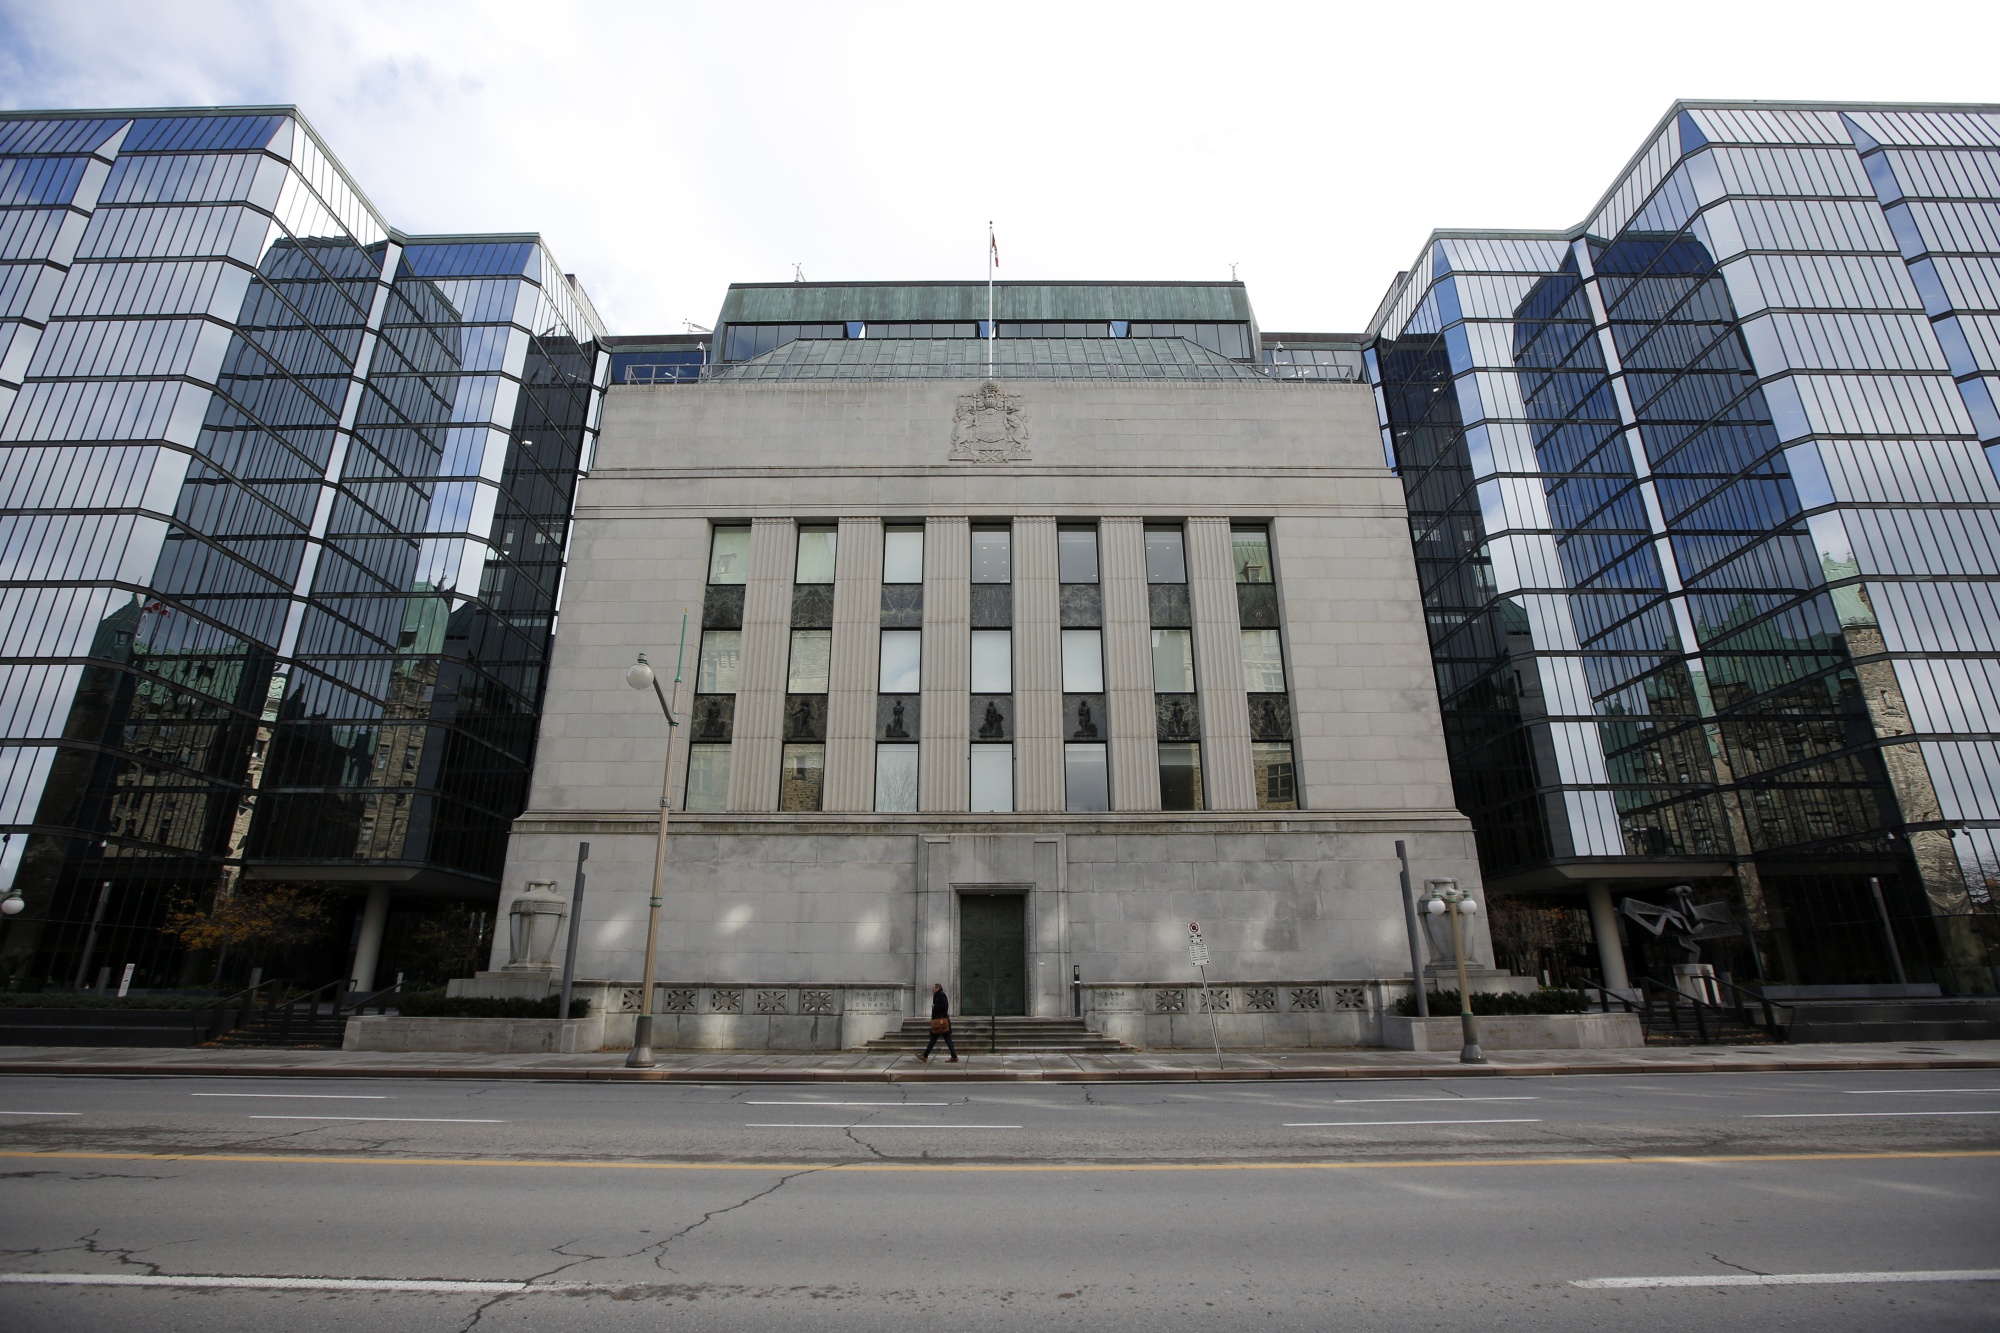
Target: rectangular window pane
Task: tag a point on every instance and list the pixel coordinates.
(721, 654)
(1263, 662)
(1173, 661)
(729, 555)
(1086, 778)
(992, 555)
(1277, 782)
(992, 661)
(1251, 550)
(1166, 560)
(896, 778)
(802, 778)
(1180, 777)
(812, 660)
(903, 555)
(992, 777)
(815, 556)
(902, 657)
(708, 778)
(1076, 555)
(1083, 661)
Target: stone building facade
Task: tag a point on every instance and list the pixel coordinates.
(995, 683)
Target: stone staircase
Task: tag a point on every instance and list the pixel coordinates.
(980, 1035)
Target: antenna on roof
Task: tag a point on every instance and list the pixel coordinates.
(798, 272)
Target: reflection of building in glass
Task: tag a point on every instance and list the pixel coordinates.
(1708, 537)
(285, 496)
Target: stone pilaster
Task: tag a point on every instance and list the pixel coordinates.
(1228, 782)
(944, 779)
(857, 644)
(1128, 665)
(760, 691)
(1038, 758)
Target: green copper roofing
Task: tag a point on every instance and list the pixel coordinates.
(923, 302)
(965, 358)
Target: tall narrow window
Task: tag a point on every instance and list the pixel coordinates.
(1076, 554)
(992, 661)
(902, 661)
(718, 661)
(992, 555)
(902, 555)
(812, 661)
(1173, 661)
(1086, 777)
(1180, 776)
(1264, 669)
(992, 777)
(815, 562)
(1277, 783)
(1083, 661)
(802, 771)
(1263, 662)
(896, 777)
(802, 781)
(1166, 557)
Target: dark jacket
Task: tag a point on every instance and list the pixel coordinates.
(940, 1005)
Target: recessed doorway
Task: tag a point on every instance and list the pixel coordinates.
(993, 953)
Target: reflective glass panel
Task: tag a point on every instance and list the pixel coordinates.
(1251, 550)
(903, 555)
(812, 660)
(992, 777)
(1083, 661)
(1076, 555)
(729, 555)
(1166, 559)
(721, 656)
(708, 778)
(1086, 778)
(992, 661)
(1180, 777)
(902, 657)
(802, 778)
(1173, 661)
(992, 555)
(896, 778)
(1277, 782)
(815, 564)
(1263, 662)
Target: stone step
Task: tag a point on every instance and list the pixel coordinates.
(1014, 1034)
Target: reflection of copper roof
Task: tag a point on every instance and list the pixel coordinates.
(965, 358)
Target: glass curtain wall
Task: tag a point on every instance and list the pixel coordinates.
(1708, 545)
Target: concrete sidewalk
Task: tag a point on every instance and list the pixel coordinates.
(864, 1067)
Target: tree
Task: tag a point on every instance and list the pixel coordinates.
(259, 921)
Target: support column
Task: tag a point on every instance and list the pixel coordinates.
(767, 650)
(1128, 664)
(857, 644)
(1038, 754)
(1229, 781)
(1604, 924)
(368, 948)
(944, 756)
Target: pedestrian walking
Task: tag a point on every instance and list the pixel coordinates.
(940, 1024)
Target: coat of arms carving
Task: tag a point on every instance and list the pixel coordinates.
(989, 427)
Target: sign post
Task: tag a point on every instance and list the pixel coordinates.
(1198, 955)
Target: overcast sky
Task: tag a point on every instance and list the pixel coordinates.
(668, 150)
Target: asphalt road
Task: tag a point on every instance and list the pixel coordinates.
(185, 1203)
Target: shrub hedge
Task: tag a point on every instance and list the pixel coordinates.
(48, 1000)
(1444, 1003)
(436, 1004)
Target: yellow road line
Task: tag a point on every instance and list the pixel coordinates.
(849, 1167)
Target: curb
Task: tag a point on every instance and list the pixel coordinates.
(1324, 1073)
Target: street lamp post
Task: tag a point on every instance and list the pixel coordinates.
(641, 676)
(1447, 899)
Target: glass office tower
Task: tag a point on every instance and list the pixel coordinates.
(1704, 502)
(285, 496)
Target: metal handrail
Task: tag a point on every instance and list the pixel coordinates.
(1675, 997)
(213, 1013)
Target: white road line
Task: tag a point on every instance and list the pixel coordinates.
(41, 1113)
(1883, 1092)
(269, 1283)
(1853, 1115)
(306, 1096)
(1791, 1279)
(809, 1105)
(1359, 1101)
(875, 1127)
(1344, 1124)
(399, 1119)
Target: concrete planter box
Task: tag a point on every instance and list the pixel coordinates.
(495, 1036)
(1516, 1032)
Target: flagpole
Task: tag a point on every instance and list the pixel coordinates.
(992, 329)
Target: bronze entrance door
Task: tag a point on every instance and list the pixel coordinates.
(993, 953)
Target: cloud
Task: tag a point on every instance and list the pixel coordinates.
(667, 150)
